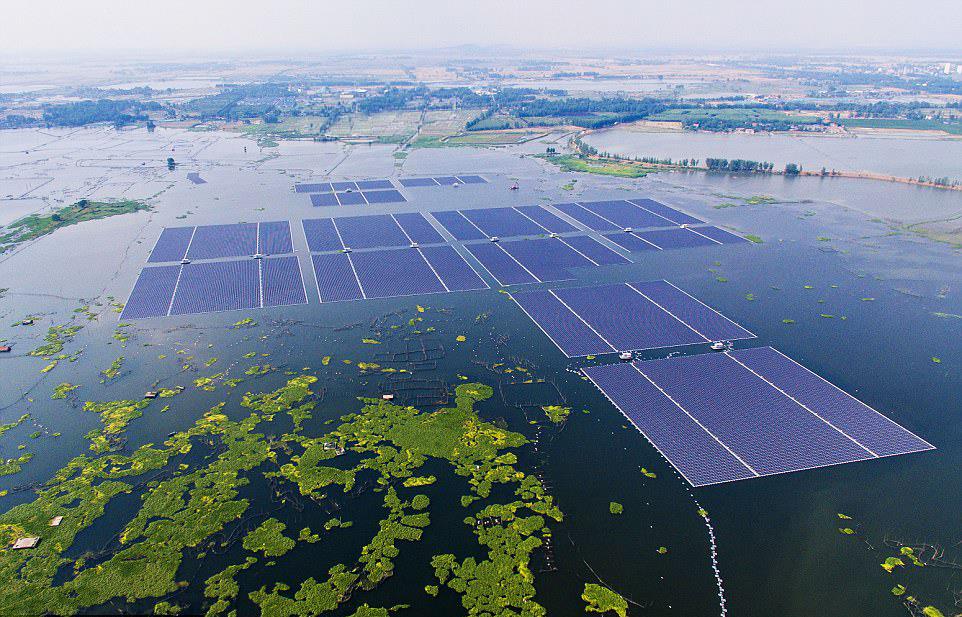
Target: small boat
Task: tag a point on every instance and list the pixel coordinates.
(415, 245)
(718, 345)
(495, 239)
(628, 230)
(514, 187)
(625, 355)
(185, 261)
(554, 234)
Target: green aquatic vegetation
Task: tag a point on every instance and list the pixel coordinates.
(891, 563)
(12, 425)
(368, 366)
(868, 299)
(931, 611)
(36, 225)
(908, 551)
(419, 481)
(721, 279)
(432, 590)
(615, 508)
(556, 413)
(336, 523)
(662, 550)
(306, 535)
(247, 322)
(936, 359)
(168, 392)
(754, 238)
(311, 598)
(788, 321)
(370, 341)
(259, 369)
(211, 362)
(826, 316)
(35, 435)
(948, 315)
(898, 590)
(166, 608)
(600, 599)
(846, 530)
(648, 474)
(269, 539)
(10, 466)
(56, 338)
(62, 390)
(844, 517)
(249, 354)
(750, 297)
(113, 370)
(115, 415)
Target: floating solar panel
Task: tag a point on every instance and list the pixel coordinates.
(417, 182)
(503, 222)
(632, 316)
(370, 231)
(565, 329)
(447, 180)
(321, 235)
(679, 218)
(324, 199)
(626, 320)
(344, 186)
(216, 241)
(369, 185)
(459, 227)
(549, 259)
(550, 221)
(504, 268)
(867, 426)
(719, 235)
(731, 416)
(335, 278)
(452, 268)
(472, 179)
(171, 245)
(586, 217)
(390, 274)
(708, 322)
(274, 238)
(217, 286)
(318, 187)
(383, 197)
(281, 281)
(351, 198)
(631, 242)
(676, 238)
(152, 293)
(595, 251)
(625, 214)
(418, 228)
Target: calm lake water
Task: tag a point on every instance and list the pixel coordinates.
(898, 156)
(779, 549)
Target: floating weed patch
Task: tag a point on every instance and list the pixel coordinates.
(599, 599)
(62, 390)
(615, 508)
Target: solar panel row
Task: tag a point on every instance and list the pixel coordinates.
(331, 187)
(220, 241)
(673, 238)
(633, 316)
(370, 231)
(215, 286)
(442, 181)
(747, 413)
(353, 198)
(615, 214)
(393, 273)
(541, 260)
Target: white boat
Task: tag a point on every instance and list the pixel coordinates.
(625, 355)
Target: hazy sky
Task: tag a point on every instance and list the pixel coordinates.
(240, 26)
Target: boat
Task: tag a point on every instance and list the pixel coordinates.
(625, 355)
(719, 345)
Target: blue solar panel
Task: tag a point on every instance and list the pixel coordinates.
(630, 242)
(595, 251)
(766, 429)
(572, 336)
(389, 274)
(460, 227)
(625, 319)
(418, 228)
(370, 231)
(216, 241)
(548, 220)
(725, 237)
(712, 325)
(453, 270)
(171, 245)
(344, 186)
(324, 199)
(217, 286)
(416, 182)
(321, 235)
(675, 238)
(152, 293)
(446, 180)
(867, 426)
(625, 214)
(369, 185)
(351, 199)
(384, 197)
(321, 187)
(549, 259)
(274, 238)
(691, 450)
(472, 179)
(281, 282)
(501, 266)
(679, 218)
(503, 222)
(335, 278)
(586, 217)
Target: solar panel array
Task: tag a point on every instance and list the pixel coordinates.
(214, 286)
(222, 241)
(356, 198)
(393, 273)
(747, 413)
(542, 260)
(369, 231)
(442, 181)
(337, 187)
(610, 215)
(625, 317)
(673, 238)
